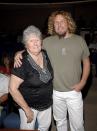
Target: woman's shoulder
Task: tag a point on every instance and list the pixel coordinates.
(44, 52)
(24, 56)
(45, 55)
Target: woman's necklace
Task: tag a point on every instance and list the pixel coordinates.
(38, 59)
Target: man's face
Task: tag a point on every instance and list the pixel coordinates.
(60, 25)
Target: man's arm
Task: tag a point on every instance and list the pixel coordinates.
(17, 59)
(85, 74)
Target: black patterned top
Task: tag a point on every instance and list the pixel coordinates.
(37, 87)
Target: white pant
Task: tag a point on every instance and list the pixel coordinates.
(71, 101)
(43, 118)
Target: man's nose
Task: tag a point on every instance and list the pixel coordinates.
(59, 24)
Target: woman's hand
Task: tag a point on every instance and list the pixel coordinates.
(17, 59)
(29, 114)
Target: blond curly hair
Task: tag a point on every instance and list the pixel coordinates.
(67, 16)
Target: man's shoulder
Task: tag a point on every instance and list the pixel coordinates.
(4, 77)
(77, 36)
(49, 38)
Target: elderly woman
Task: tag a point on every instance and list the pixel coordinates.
(31, 84)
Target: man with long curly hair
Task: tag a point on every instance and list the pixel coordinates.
(69, 57)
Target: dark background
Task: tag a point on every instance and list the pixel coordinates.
(15, 16)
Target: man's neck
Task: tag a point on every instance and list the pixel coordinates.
(67, 35)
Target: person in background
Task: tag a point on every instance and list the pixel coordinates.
(69, 56)
(93, 54)
(4, 80)
(9, 117)
(31, 84)
(6, 64)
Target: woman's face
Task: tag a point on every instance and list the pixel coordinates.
(33, 44)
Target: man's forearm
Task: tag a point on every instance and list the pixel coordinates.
(86, 71)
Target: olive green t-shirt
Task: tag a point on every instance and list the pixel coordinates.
(66, 55)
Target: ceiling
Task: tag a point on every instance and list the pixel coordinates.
(43, 1)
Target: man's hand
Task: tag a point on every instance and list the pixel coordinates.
(3, 99)
(78, 87)
(17, 59)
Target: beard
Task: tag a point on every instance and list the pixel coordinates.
(61, 35)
